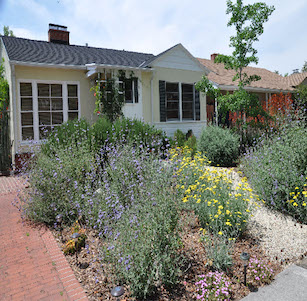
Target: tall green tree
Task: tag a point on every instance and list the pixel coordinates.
(248, 21)
(7, 31)
(304, 68)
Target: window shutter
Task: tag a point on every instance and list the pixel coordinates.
(162, 100)
(197, 105)
(136, 90)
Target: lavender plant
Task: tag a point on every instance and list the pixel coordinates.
(143, 236)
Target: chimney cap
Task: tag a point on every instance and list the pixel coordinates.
(57, 27)
(213, 56)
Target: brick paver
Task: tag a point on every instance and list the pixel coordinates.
(32, 267)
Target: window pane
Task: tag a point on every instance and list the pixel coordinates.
(56, 90)
(44, 104)
(187, 102)
(186, 88)
(72, 90)
(171, 87)
(57, 118)
(172, 101)
(128, 96)
(128, 91)
(172, 114)
(25, 89)
(72, 115)
(44, 118)
(57, 104)
(26, 104)
(43, 89)
(187, 112)
(27, 133)
(73, 104)
(26, 119)
(44, 131)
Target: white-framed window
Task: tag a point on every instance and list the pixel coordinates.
(128, 86)
(45, 105)
(179, 101)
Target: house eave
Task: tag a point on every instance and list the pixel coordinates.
(94, 68)
(252, 89)
(44, 65)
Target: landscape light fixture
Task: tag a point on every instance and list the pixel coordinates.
(117, 292)
(59, 220)
(245, 258)
(75, 237)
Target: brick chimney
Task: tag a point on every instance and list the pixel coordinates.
(58, 34)
(213, 56)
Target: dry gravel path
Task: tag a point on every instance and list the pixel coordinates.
(282, 238)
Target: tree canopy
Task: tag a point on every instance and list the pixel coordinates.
(248, 21)
(7, 31)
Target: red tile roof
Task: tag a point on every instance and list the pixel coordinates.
(269, 80)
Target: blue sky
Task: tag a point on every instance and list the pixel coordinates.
(153, 26)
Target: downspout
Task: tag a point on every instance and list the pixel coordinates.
(151, 96)
(13, 80)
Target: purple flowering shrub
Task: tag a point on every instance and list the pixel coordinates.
(142, 233)
(259, 271)
(213, 286)
(59, 184)
(277, 170)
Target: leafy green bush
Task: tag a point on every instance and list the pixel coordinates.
(191, 143)
(73, 132)
(219, 145)
(179, 138)
(104, 132)
(277, 170)
(218, 251)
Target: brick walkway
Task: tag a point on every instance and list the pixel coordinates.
(32, 267)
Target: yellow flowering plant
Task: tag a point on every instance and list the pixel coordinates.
(222, 204)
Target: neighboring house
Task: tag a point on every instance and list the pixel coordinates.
(296, 79)
(50, 83)
(270, 83)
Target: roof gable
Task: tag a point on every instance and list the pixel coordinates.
(177, 57)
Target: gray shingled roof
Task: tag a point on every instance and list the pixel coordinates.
(25, 50)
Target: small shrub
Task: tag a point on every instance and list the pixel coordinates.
(70, 246)
(259, 271)
(179, 138)
(277, 170)
(191, 143)
(217, 251)
(213, 286)
(219, 145)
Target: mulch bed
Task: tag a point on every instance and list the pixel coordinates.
(97, 279)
